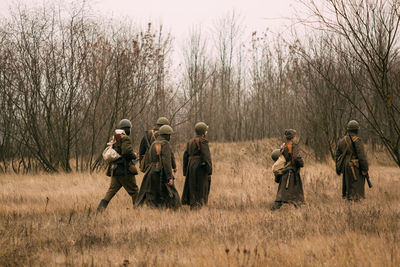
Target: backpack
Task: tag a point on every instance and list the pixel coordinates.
(280, 164)
(110, 154)
(340, 159)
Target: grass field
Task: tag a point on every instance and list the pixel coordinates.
(50, 220)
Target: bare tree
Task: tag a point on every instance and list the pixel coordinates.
(367, 48)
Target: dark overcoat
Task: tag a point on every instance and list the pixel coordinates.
(149, 137)
(353, 163)
(197, 167)
(290, 188)
(154, 190)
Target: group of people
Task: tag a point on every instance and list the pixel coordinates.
(157, 161)
(350, 158)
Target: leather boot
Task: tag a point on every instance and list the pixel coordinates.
(277, 205)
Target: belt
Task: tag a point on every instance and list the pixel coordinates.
(194, 157)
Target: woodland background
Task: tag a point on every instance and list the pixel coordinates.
(67, 77)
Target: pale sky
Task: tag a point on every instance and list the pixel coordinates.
(179, 16)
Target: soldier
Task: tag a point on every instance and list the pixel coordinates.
(290, 189)
(148, 138)
(157, 188)
(121, 171)
(352, 162)
(197, 167)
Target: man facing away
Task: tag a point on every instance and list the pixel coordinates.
(120, 170)
(157, 188)
(149, 137)
(290, 189)
(351, 161)
(197, 167)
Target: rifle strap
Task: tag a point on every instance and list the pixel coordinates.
(153, 135)
(356, 154)
(147, 139)
(289, 146)
(158, 148)
(197, 141)
(354, 147)
(158, 151)
(343, 155)
(347, 148)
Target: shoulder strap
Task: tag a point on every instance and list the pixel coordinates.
(354, 146)
(289, 146)
(197, 141)
(158, 148)
(347, 146)
(153, 135)
(158, 151)
(118, 138)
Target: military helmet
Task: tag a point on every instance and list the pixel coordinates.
(290, 133)
(275, 154)
(124, 123)
(353, 125)
(162, 121)
(165, 129)
(200, 128)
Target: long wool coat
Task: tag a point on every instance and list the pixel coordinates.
(290, 188)
(154, 190)
(353, 181)
(148, 139)
(197, 167)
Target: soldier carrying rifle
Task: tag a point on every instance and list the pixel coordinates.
(148, 139)
(157, 188)
(351, 161)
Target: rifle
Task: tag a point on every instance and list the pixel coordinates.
(143, 157)
(368, 180)
(367, 175)
(147, 139)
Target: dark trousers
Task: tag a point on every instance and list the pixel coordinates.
(128, 182)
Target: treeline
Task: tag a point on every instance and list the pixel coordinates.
(67, 78)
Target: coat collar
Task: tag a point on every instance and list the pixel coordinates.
(161, 138)
(200, 136)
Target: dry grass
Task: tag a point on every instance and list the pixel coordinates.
(50, 220)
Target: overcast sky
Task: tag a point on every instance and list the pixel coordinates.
(179, 16)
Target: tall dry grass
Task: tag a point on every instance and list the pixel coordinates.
(50, 220)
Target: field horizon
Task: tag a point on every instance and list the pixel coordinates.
(50, 219)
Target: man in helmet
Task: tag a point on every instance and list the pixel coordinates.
(147, 140)
(157, 188)
(121, 170)
(197, 167)
(290, 189)
(351, 161)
